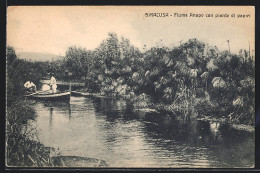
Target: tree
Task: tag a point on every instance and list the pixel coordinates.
(77, 61)
(18, 72)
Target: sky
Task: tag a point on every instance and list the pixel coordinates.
(52, 29)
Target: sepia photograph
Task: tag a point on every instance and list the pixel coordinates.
(130, 87)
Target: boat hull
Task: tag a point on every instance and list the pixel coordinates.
(51, 97)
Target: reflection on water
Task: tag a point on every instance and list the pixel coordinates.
(111, 130)
(214, 128)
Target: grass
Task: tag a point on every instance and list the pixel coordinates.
(20, 149)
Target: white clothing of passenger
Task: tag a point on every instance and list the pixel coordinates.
(32, 84)
(54, 88)
(53, 80)
(29, 84)
(53, 84)
(46, 87)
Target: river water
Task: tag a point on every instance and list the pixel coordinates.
(111, 130)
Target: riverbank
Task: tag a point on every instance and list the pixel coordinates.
(244, 127)
(220, 120)
(34, 154)
(191, 110)
(143, 103)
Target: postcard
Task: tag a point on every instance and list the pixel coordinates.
(130, 87)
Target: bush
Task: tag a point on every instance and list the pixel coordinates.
(16, 131)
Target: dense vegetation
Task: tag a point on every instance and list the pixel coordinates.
(192, 80)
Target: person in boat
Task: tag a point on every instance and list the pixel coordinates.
(30, 86)
(46, 87)
(53, 84)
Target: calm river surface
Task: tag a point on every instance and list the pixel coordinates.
(112, 131)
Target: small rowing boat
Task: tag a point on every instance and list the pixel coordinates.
(50, 96)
